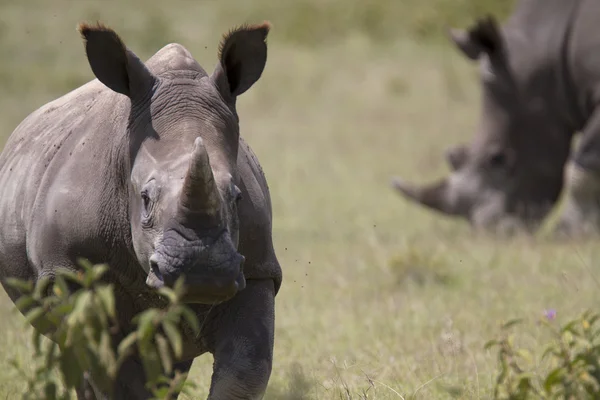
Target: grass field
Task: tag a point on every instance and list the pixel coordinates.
(379, 296)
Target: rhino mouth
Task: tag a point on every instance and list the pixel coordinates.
(200, 289)
(205, 282)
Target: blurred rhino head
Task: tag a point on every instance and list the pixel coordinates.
(511, 171)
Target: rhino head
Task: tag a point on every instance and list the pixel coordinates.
(181, 148)
(511, 173)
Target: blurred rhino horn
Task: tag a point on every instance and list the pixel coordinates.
(434, 196)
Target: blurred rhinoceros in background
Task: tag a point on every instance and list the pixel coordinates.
(144, 169)
(540, 81)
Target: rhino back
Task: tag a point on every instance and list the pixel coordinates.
(537, 33)
(584, 54)
(48, 168)
(562, 37)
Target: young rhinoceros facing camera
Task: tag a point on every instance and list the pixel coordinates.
(144, 169)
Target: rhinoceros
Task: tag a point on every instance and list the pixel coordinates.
(144, 169)
(540, 81)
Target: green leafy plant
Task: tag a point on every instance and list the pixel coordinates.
(83, 329)
(573, 358)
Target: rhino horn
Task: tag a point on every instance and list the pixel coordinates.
(434, 196)
(199, 193)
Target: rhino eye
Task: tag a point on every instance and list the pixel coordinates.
(145, 201)
(237, 194)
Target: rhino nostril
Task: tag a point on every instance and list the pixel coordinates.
(154, 266)
(155, 278)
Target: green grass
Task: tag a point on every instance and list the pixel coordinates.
(379, 296)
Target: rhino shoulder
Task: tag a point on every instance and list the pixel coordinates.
(256, 239)
(247, 160)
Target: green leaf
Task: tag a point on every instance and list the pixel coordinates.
(570, 327)
(100, 375)
(24, 302)
(34, 314)
(525, 382)
(165, 354)
(592, 318)
(71, 275)
(185, 387)
(41, 285)
(551, 350)
(161, 393)
(553, 378)
(36, 339)
(107, 355)
(106, 295)
(61, 289)
(191, 319)
(69, 366)
(511, 323)
(151, 364)
(63, 310)
(174, 337)
(85, 264)
(146, 325)
(524, 354)
(491, 343)
(95, 274)
(179, 288)
(168, 293)
(21, 285)
(88, 279)
(126, 344)
(84, 358)
(50, 358)
(80, 309)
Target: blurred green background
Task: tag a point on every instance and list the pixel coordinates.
(380, 297)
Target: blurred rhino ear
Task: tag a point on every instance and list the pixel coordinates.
(242, 59)
(456, 156)
(113, 64)
(482, 38)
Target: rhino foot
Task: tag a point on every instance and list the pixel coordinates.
(581, 213)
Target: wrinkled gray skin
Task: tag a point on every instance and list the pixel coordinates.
(143, 168)
(540, 80)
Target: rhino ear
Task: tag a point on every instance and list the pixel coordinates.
(113, 64)
(482, 38)
(242, 59)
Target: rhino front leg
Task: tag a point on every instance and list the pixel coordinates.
(242, 344)
(581, 213)
(130, 383)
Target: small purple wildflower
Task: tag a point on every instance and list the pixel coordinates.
(550, 314)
